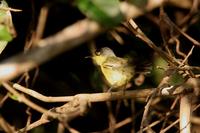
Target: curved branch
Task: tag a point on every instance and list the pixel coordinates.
(94, 97)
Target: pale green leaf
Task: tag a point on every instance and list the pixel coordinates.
(5, 34)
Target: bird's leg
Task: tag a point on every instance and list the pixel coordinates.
(110, 89)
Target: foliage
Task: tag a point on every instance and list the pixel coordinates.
(106, 13)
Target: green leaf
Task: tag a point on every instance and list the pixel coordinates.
(13, 97)
(176, 79)
(105, 12)
(158, 73)
(5, 34)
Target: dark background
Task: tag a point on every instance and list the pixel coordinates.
(71, 73)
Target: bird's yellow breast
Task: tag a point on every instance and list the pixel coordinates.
(114, 78)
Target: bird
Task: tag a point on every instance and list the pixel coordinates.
(117, 71)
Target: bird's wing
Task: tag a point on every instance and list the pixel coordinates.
(115, 62)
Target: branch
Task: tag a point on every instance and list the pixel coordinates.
(185, 114)
(77, 107)
(6, 126)
(94, 97)
(26, 101)
(49, 48)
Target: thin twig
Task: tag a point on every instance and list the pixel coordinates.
(190, 68)
(178, 51)
(34, 125)
(167, 114)
(186, 60)
(26, 101)
(6, 126)
(28, 119)
(68, 111)
(10, 9)
(188, 55)
(170, 126)
(195, 42)
(176, 122)
(123, 122)
(193, 11)
(138, 32)
(41, 24)
(4, 99)
(152, 125)
(144, 121)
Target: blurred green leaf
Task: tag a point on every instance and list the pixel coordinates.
(176, 79)
(13, 97)
(5, 34)
(158, 73)
(105, 12)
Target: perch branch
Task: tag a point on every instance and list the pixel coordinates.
(94, 97)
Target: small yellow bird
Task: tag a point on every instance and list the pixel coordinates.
(117, 71)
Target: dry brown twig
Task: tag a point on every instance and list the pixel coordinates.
(193, 11)
(167, 114)
(41, 24)
(77, 107)
(6, 126)
(138, 33)
(26, 101)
